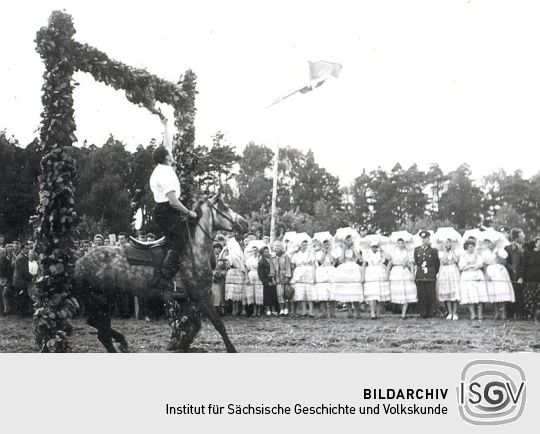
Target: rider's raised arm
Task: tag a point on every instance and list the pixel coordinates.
(167, 140)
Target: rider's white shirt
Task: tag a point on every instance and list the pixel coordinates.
(162, 181)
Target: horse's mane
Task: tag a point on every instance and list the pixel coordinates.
(199, 204)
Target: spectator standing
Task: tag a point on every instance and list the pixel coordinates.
(6, 277)
(531, 278)
(427, 262)
(281, 272)
(514, 265)
(21, 280)
(270, 299)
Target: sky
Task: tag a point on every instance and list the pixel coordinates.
(450, 81)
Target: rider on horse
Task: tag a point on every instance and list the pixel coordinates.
(169, 212)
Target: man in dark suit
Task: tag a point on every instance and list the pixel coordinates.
(21, 279)
(426, 259)
(6, 277)
(514, 264)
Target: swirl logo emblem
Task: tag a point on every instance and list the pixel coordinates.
(491, 392)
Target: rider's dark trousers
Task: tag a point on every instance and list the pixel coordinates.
(172, 223)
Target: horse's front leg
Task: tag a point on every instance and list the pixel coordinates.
(206, 307)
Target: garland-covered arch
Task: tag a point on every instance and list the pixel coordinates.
(63, 56)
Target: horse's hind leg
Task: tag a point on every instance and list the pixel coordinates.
(104, 332)
(207, 308)
(120, 338)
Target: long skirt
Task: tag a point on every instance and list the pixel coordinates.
(473, 287)
(531, 298)
(253, 290)
(402, 286)
(448, 283)
(270, 298)
(499, 285)
(324, 281)
(218, 293)
(234, 284)
(348, 283)
(376, 286)
(303, 281)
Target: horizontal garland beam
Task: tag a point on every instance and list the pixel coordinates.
(141, 87)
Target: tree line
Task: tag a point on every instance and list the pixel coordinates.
(112, 185)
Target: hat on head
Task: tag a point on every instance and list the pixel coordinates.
(363, 228)
(373, 242)
(424, 234)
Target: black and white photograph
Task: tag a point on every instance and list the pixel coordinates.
(269, 177)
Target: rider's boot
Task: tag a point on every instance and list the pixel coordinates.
(169, 267)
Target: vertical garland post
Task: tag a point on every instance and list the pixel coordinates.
(57, 217)
(185, 317)
(184, 141)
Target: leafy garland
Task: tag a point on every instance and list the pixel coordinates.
(54, 305)
(63, 56)
(184, 317)
(184, 155)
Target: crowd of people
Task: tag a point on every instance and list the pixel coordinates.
(435, 271)
(19, 268)
(351, 271)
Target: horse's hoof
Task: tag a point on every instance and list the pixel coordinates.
(124, 349)
(174, 347)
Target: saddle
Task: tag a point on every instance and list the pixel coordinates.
(143, 253)
(151, 254)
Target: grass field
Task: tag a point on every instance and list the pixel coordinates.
(389, 334)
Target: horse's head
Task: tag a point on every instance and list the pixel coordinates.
(225, 218)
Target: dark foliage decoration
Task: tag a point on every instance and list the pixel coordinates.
(184, 155)
(57, 219)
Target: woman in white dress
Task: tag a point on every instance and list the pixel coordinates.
(254, 287)
(348, 278)
(473, 289)
(324, 280)
(235, 278)
(303, 279)
(499, 286)
(375, 276)
(448, 287)
(402, 286)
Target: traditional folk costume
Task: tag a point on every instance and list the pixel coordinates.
(253, 290)
(236, 274)
(376, 286)
(473, 289)
(402, 286)
(348, 286)
(324, 276)
(303, 279)
(499, 285)
(448, 279)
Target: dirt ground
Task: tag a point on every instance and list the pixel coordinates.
(291, 335)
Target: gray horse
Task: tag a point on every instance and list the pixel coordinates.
(105, 271)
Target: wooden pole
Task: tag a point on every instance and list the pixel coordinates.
(274, 195)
